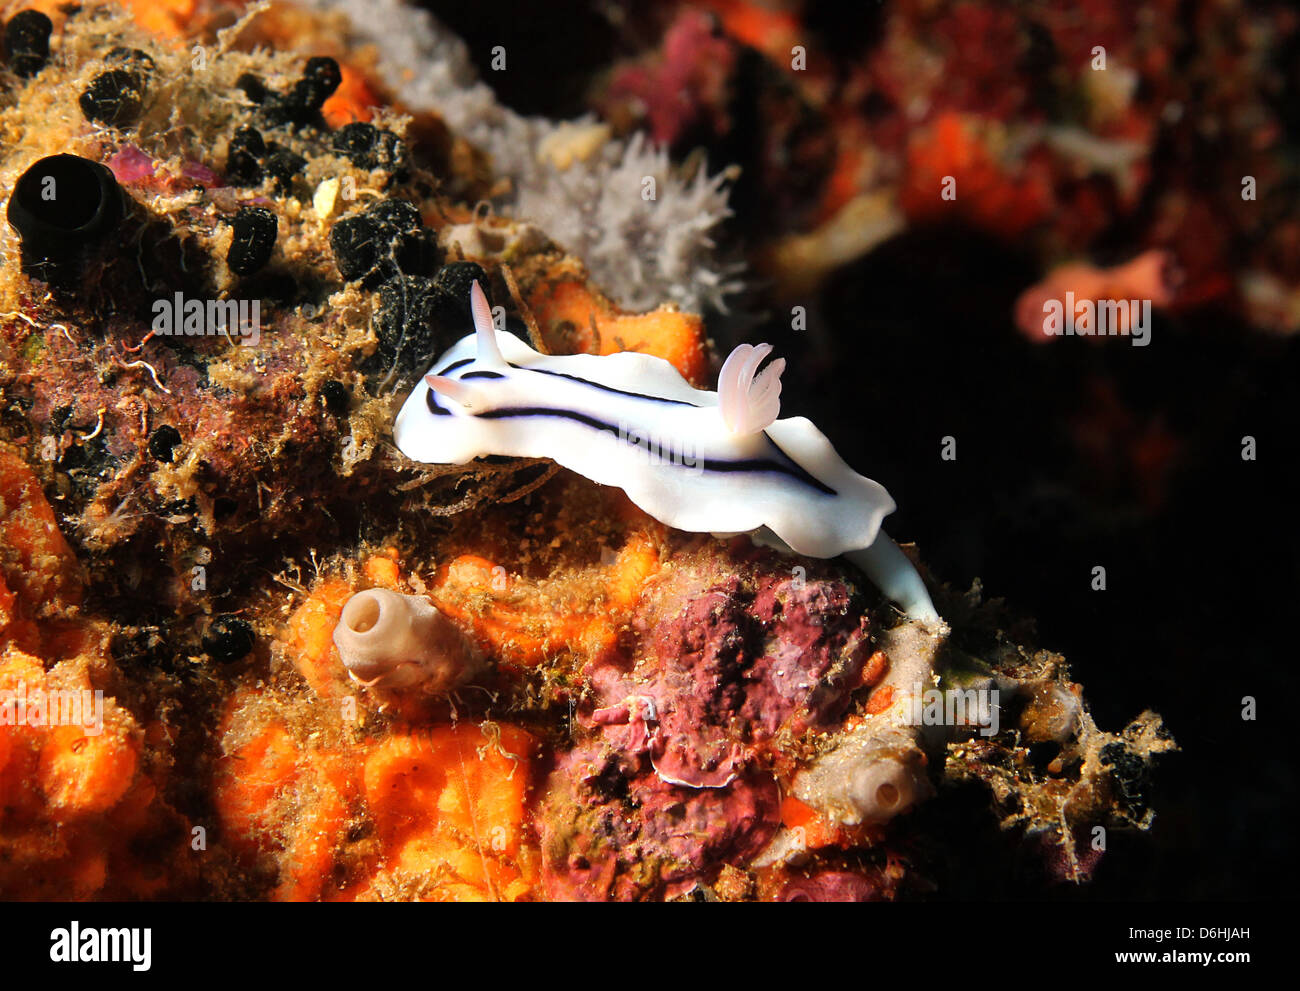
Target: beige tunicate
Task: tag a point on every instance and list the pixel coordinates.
(885, 787)
(390, 640)
(867, 778)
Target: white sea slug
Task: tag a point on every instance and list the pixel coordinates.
(706, 462)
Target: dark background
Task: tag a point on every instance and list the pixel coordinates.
(1202, 576)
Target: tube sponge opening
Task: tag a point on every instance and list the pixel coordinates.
(886, 787)
(389, 640)
(875, 774)
(61, 204)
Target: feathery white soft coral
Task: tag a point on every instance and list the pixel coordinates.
(642, 251)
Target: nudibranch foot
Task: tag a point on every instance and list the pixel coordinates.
(893, 573)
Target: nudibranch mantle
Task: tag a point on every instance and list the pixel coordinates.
(700, 461)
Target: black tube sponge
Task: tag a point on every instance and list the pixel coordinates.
(64, 203)
(27, 42)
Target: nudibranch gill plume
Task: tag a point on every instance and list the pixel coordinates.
(704, 462)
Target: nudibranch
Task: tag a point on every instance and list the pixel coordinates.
(705, 462)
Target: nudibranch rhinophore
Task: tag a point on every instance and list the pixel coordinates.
(705, 462)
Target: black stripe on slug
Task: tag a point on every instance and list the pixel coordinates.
(481, 375)
(561, 414)
(432, 403)
(454, 365)
(605, 388)
(794, 465)
(793, 470)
